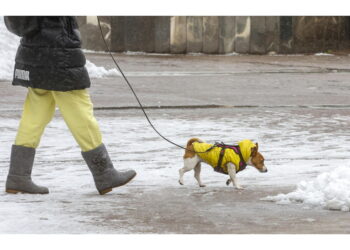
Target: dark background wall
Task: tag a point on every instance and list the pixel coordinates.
(218, 34)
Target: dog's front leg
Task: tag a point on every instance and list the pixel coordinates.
(232, 173)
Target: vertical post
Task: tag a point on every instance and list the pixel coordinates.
(258, 35)
(211, 34)
(118, 33)
(82, 20)
(131, 33)
(345, 33)
(178, 36)
(347, 25)
(227, 34)
(286, 34)
(133, 36)
(146, 38)
(162, 34)
(242, 34)
(194, 34)
(272, 33)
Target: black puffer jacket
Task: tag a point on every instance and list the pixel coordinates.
(49, 56)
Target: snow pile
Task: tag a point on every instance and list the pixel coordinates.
(100, 72)
(8, 48)
(323, 54)
(329, 190)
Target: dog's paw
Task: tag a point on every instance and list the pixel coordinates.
(239, 187)
(228, 182)
(202, 186)
(180, 182)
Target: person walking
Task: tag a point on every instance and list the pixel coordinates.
(51, 64)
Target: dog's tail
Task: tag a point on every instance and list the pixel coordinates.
(192, 140)
(189, 152)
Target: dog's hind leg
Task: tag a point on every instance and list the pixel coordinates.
(197, 174)
(189, 164)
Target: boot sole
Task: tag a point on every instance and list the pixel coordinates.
(107, 190)
(12, 191)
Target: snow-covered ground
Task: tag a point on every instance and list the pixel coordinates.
(305, 149)
(8, 48)
(297, 146)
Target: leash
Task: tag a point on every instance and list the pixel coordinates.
(222, 145)
(136, 97)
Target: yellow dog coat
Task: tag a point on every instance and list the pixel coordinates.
(212, 156)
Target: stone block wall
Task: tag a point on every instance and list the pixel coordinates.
(217, 34)
(312, 34)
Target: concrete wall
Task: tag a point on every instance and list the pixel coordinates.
(90, 32)
(312, 34)
(217, 34)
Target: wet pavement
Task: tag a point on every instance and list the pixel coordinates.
(297, 107)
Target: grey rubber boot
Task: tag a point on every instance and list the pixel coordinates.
(19, 179)
(106, 177)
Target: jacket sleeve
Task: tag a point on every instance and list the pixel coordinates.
(22, 25)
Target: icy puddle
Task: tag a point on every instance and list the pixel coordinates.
(298, 145)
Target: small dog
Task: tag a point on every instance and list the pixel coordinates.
(232, 160)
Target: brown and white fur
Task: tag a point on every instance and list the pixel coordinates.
(193, 162)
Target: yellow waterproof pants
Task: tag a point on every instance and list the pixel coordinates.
(77, 111)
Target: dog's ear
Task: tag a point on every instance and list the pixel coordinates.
(254, 151)
(257, 147)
